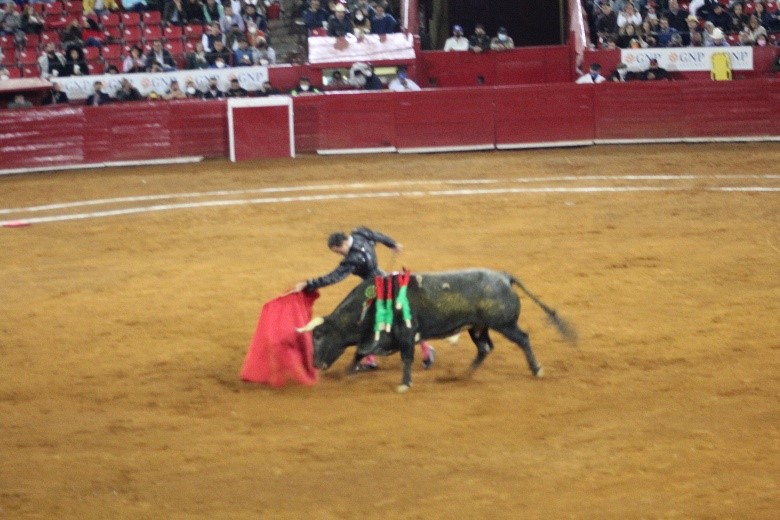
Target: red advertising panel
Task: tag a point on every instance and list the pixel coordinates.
(260, 128)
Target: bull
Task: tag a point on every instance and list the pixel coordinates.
(442, 304)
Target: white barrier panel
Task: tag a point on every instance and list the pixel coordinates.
(80, 87)
(369, 47)
(686, 58)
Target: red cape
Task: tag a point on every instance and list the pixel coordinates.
(277, 352)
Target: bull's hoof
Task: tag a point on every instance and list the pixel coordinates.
(539, 372)
(402, 389)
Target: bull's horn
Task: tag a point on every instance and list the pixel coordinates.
(315, 321)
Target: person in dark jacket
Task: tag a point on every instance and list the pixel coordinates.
(359, 252)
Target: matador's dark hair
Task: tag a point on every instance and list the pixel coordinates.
(336, 239)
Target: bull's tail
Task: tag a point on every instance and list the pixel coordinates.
(565, 329)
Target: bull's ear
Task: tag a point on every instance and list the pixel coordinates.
(316, 321)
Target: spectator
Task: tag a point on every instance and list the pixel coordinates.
(627, 33)
(138, 6)
(738, 17)
(761, 41)
(622, 75)
(212, 34)
(383, 23)
(31, 22)
(655, 73)
(479, 41)
(5, 75)
(236, 90)
(75, 64)
(720, 18)
(304, 88)
(593, 76)
(677, 17)
(337, 81)
(770, 21)
(365, 6)
(253, 17)
(702, 8)
(267, 90)
(606, 23)
(233, 36)
(361, 22)
(502, 41)
(19, 102)
(52, 62)
(628, 15)
(191, 90)
(127, 92)
(99, 7)
(754, 29)
(197, 58)
(135, 61)
(372, 81)
(220, 52)
(338, 23)
(174, 13)
(648, 34)
(456, 42)
(776, 65)
(212, 11)
(229, 20)
(401, 82)
(11, 21)
(55, 96)
(161, 56)
(665, 32)
(98, 97)
(244, 55)
(213, 92)
(264, 54)
(693, 36)
(174, 91)
(315, 17)
(111, 69)
(717, 39)
(193, 12)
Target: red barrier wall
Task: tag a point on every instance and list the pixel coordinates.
(505, 117)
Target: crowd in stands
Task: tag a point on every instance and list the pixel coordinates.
(59, 38)
(357, 17)
(479, 41)
(623, 24)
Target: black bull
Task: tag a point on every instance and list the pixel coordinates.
(442, 304)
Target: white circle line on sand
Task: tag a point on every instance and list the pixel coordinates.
(363, 185)
(374, 195)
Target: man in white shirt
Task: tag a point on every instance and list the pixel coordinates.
(457, 42)
(593, 76)
(401, 82)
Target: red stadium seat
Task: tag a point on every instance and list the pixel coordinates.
(189, 46)
(50, 37)
(9, 58)
(14, 72)
(30, 71)
(192, 32)
(771, 7)
(75, 8)
(114, 34)
(175, 47)
(55, 23)
(110, 20)
(55, 9)
(151, 33)
(750, 8)
(130, 19)
(116, 62)
(732, 38)
(26, 57)
(39, 8)
(32, 41)
(274, 11)
(111, 51)
(96, 67)
(7, 42)
(318, 31)
(91, 53)
(172, 32)
(132, 35)
(152, 18)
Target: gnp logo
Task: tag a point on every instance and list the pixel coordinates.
(673, 57)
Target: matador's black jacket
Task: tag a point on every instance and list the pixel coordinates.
(360, 260)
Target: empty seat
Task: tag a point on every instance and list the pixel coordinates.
(111, 51)
(130, 19)
(152, 32)
(109, 20)
(151, 18)
(50, 37)
(91, 53)
(132, 35)
(172, 32)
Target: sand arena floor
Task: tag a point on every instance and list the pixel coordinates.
(121, 338)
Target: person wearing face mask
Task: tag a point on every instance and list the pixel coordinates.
(220, 54)
(592, 76)
(304, 88)
(213, 92)
(191, 91)
(401, 82)
(264, 54)
(456, 42)
(502, 41)
(361, 23)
